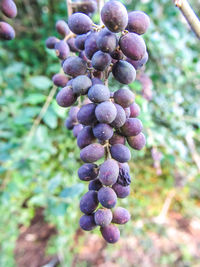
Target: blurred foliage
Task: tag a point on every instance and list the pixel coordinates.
(42, 171)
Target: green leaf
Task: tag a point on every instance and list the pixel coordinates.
(54, 183)
(40, 82)
(35, 99)
(50, 119)
(72, 191)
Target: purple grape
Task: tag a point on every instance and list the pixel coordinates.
(110, 233)
(124, 97)
(97, 81)
(99, 93)
(117, 54)
(87, 6)
(76, 130)
(74, 66)
(132, 127)
(86, 114)
(103, 131)
(69, 124)
(79, 23)
(114, 15)
(95, 185)
(92, 153)
(62, 28)
(85, 137)
(72, 46)
(124, 72)
(133, 46)
(51, 41)
(89, 202)
(87, 222)
(120, 117)
(91, 45)
(121, 191)
(80, 41)
(108, 172)
(65, 97)
(127, 112)
(107, 41)
(107, 197)
(138, 22)
(73, 113)
(135, 110)
(60, 80)
(138, 64)
(103, 217)
(81, 84)
(88, 172)
(137, 142)
(117, 139)
(106, 112)
(120, 215)
(124, 178)
(101, 60)
(62, 49)
(120, 153)
(8, 8)
(6, 31)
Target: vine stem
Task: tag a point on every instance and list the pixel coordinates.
(189, 15)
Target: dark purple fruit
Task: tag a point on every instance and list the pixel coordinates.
(88, 172)
(101, 60)
(77, 129)
(80, 41)
(72, 46)
(120, 153)
(106, 112)
(107, 41)
(89, 202)
(120, 216)
(60, 80)
(86, 114)
(95, 185)
(132, 127)
(8, 8)
(138, 64)
(62, 28)
(74, 66)
(92, 153)
(99, 93)
(137, 142)
(51, 41)
(87, 222)
(85, 137)
(103, 131)
(62, 49)
(117, 139)
(138, 22)
(107, 197)
(121, 191)
(123, 72)
(6, 31)
(91, 45)
(120, 118)
(103, 217)
(81, 84)
(108, 172)
(124, 97)
(110, 233)
(135, 110)
(79, 23)
(65, 97)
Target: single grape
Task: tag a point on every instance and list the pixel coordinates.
(73, 113)
(89, 202)
(86, 114)
(95, 185)
(74, 66)
(80, 41)
(110, 233)
(91, 45)
(120, 117)
(62, 49)
(85, 137)
(65, 97)
(72, 45)
(92, 153)
(135, 110)
(138, 64)
(106, 112)
(124, 72)
(88, 172)
(117, 139)
(62, 28)
(79, 23)
(99, 93)
(60, 80)
(96, 81)
(101, 60)
(103, 217)
(69, 124)
(107, 41)
(81, 84)
(124, 97)
(124, 178)
(51, 41)
(114, 15)
(108, 172)
(107, 197)
(120, 153)
(137, 142)
(103, 131)
(6, 31)
(8, 8)
(121, 191)
(132, 127)
(138, 22)
(77, 129)
(120, 215)
(133, 46)
(87, 222)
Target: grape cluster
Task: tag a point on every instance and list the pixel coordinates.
(102, 121)
(9, 9)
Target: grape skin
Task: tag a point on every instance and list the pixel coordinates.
(138, 22)
(138, 64)
(92, 153)
(101, 60)
(87, 222)
(137, 142)
(86, 114)
(124, 97)
(103, 217)
(120, 153)
(65, 97)
(80, 41)
(60, 80)
(124, 72)
(81, 84)
(135, 110)
(106, 112)
(121, 191)
(120, 117)
(62, 28)
(91, 45)
(74, 66)
(132, 127)
(6, 31)
(8, 8)
(85, 137)
(62, 49)
(120, 216)
(99, 93)
(108, 172)
(107, 197)
(110, 233)
(51, 41)
(103, 131)
(77, 129)
(89, 202)
(117, 139)
(79, 23)
(95, 185)
(88, 172)
(107, 41)
(72, 46)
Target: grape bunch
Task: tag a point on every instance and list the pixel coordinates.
(9, 9)
(102, 120)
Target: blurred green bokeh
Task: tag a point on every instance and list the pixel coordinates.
(42, 171)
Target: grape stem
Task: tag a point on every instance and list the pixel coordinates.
(189, 15)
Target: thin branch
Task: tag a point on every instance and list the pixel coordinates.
(189, 15)
(69, 7)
